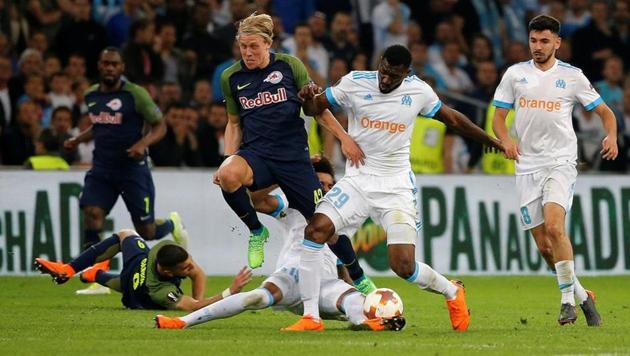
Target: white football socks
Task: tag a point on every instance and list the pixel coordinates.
(566, 278)
(235, 304)
(427, 278)
(310, 277)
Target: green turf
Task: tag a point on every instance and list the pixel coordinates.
(510, 315)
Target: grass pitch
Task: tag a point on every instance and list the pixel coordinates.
(510, 315)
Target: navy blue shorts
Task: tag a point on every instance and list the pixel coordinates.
(103, 186)
(133, 275)
(297, 179)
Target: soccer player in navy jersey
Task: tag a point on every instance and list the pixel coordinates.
(265, 137)
(119, 111)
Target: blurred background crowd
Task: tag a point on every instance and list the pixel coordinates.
(177, 50)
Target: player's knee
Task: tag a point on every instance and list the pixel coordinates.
(403, 267)
(318, 231)
(125, 233)
(555, 231)
(230, 178)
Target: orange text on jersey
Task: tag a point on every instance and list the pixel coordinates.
(549, 106)
(391, 127)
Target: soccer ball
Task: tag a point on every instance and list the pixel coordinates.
(382, 303)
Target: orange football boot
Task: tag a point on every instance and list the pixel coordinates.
(457, 308)
(306, 323)
(396, 323)
(60, 272)
(89, 275)
(164, 322)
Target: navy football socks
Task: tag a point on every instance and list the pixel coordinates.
(240, 202)
(344, 251)
(163, 228)
(105, 249)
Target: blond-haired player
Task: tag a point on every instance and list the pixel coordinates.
(543, 91)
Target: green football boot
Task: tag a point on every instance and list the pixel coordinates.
(256, 248)
(365, 286)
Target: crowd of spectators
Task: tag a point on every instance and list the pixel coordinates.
(177, 49)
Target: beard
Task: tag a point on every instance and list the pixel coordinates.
(543, 59)
(110, 81)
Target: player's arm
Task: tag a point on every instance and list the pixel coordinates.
(609, 144)
(233, 134)
(464, 126)
(349, 147)
(85, 136)
(152, 115)
(187, 303)
(501, 131)
(198, 279)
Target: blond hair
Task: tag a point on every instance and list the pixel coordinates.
(261, 25)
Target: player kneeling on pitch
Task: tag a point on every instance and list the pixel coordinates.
(338, 299)
(150, 278)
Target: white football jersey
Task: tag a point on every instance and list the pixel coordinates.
(293, 225)
(382, 123)
(543, 101)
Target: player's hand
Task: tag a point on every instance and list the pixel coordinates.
(137, 150)
(609, 148)
(243, 277)
(71, 144)
(309, 91)
(511, 150)
(352, 151)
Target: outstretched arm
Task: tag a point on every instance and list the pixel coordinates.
(462, 125)
(188, 303)
(609, 144)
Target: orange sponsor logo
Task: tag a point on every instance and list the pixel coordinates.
(549, 106)
(391, 127)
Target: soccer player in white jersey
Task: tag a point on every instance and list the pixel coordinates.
(543, 92)
(338, 299)
(382, 107)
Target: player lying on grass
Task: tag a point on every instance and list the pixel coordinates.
(338, 299)
(150, 278)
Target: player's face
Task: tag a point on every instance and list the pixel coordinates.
(543, 45)
(110, 67)
(254, 50)
(326, 180)
(390, 77)
(183, 269)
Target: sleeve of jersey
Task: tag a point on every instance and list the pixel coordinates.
(145, 105)
(166, 295)
(338, 95)
(300, 74)
(232, 108)
(586, 94)
(432, 103)
(504, 95)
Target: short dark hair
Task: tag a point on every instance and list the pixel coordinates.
(397, 55)
(175, 106)
(169, 256)
(59, 109)
(323, 165)
(110, 49)
(544, 22)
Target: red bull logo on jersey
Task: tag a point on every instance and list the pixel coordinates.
(106, 118)
(391, 127)
(549, 106)
(264, 98)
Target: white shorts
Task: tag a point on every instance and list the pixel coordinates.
(329, 293)
(387, 200)
(549, 185)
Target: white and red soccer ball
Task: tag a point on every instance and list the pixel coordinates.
(382, 303)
